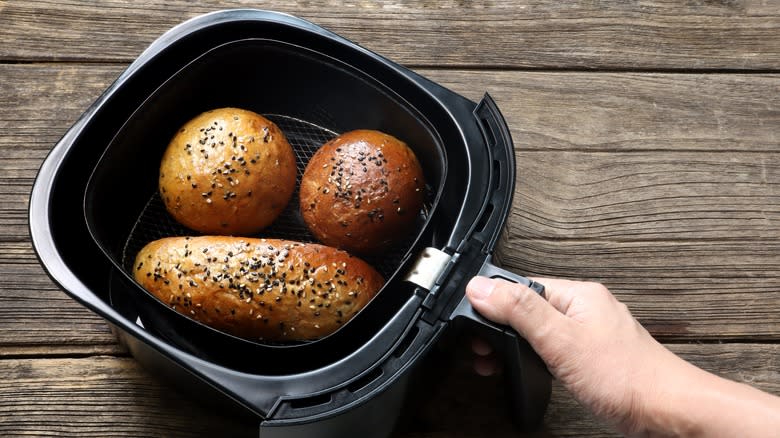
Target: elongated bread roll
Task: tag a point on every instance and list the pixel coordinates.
(259, 289)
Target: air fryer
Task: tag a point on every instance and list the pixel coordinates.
(314, 84)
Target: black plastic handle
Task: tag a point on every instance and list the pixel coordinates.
(493, 271)
(528, 381)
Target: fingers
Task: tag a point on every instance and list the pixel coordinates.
(485, 362)
(559, 293)
(480, 347)
(486, 366)
(518, 306)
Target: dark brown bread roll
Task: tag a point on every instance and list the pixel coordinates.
(362, 191)
(227, 171)
(258, 289)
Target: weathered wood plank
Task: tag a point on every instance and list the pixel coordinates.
(37, 106)
(742, 34)
(678, 290)
(570, 158)
(606, 112)
(614, 112)
(37, 318)
(39, 102)
(546, 111)
(643, 196)
(105, 396)
(96, 396)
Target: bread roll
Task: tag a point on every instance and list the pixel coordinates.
(227, 171)
(259, 289)
(362, 191)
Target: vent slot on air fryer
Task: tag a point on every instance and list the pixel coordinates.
(308, 402)
(364, 381)
(487, 130)
(406, 342)
(483, 220)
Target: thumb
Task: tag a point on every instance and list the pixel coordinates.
(516, 305)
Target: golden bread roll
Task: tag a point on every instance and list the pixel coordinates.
(258, 289)
(362, 191)
(227, 171)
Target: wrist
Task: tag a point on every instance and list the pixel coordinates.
(663, 398)
(670, 411)
(691, 402)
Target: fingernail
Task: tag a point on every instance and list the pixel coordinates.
(481, 287)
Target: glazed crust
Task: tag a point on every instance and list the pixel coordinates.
(258, 289)
(362, 191)
(227, 171)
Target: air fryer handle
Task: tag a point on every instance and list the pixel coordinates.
(528, 381)
(493, 271)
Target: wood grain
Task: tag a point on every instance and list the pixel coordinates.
(108, 396)
(37, 318)
(643, 196)
(38, 103)
(693, 155)
(734, 35)
(97, 396)
(678, 290)
(620, 112)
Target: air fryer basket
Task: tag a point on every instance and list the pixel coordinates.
(468, 160)
(300, 90)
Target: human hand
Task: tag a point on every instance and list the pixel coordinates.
(589, 340)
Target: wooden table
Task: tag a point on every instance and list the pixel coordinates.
(648, 155)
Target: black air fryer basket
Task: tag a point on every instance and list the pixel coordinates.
(314, 85)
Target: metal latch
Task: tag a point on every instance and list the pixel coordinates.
(428, 267)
